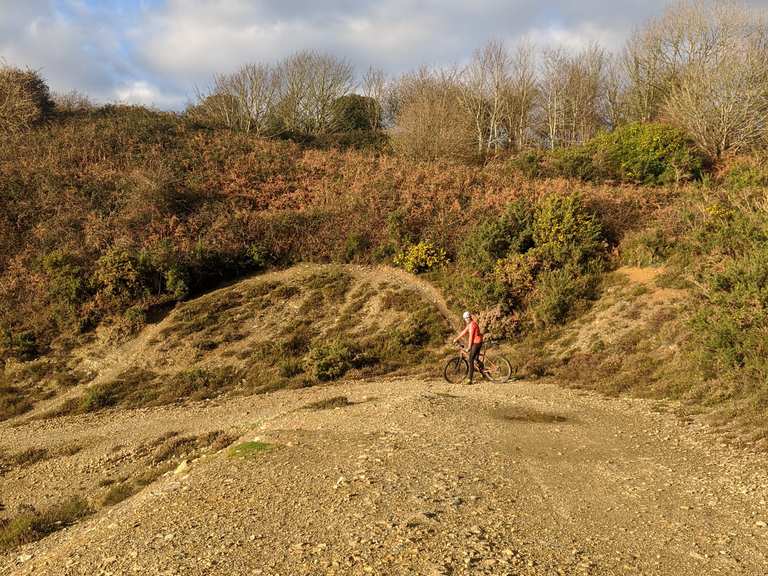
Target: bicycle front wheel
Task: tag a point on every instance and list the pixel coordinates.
(456, 370)
(497, 368)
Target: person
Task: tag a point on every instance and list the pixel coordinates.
(474, 342)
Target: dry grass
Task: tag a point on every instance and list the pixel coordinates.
(31, 525)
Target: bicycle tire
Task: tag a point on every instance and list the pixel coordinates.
(456, 369)
(498, 369)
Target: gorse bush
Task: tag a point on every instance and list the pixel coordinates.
(493, 239)
(538, 258)
(646, 153)
(421, 257)
(639, 153)
(565, 232)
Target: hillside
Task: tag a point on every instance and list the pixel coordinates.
(169, 293)
(187, 450)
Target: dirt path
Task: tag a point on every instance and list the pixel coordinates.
(415, 477)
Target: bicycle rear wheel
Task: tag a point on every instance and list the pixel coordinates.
(456, 370)
(497, 368)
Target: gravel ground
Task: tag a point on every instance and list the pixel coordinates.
(413, 477)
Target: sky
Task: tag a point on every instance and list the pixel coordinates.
(156, 52)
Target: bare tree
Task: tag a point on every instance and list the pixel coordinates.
(571, 91)
(431, 121)
(691, 34)
(702, 64)
(311, 83)
(244, 100)
(484, 83)
(374, 87)
(520, 97)
(723, 104)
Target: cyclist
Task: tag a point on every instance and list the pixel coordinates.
(474, 342)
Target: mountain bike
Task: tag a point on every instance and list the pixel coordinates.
(496, 367)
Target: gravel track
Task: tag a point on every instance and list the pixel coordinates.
(413, 477)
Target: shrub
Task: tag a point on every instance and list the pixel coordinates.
(530, 163)
(330, 360)
(647, 247)
(257, 257)
(572, 162)
(21, 345)
(493, 239)
(355, 113)
(67, 286)
(564, 232)
(356, 246)
(744, 174)
(557, 292)
(24, 99)
(646, 153)
(30, 526)
(421, 257)
(516, 277)
(639, 153)
(118, 276)
(290, 367)
(13, 402)
(177, 282)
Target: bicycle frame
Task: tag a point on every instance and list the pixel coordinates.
(464, 353)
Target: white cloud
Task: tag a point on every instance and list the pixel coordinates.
(577, 38)
(155, 52)
(146, 94)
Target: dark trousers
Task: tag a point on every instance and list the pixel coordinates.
(474, 352)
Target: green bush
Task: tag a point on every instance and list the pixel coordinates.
(640, 153)
(421, 257)
(67, 286)
(177, 282)
(565, 232)
(646, 153)
(516, 276)
(330, 360)
(356, 246)
(290, 367)
(557, 293)
(745, 174)
(118, 276)
(493, 239)
(531, 163)
(573, 162)
(647, 247)
(21, 345)
(355, 113)
(30, 526)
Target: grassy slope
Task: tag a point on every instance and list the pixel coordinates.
(294, 328)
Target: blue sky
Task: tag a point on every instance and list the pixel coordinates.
(157, 51)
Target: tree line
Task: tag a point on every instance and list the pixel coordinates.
(701, 65)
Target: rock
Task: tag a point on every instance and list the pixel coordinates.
(419, 519)
(182, 467)
(761, 524)
(21, 558)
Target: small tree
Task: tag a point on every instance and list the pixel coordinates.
(431, 121)
(354, 112)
